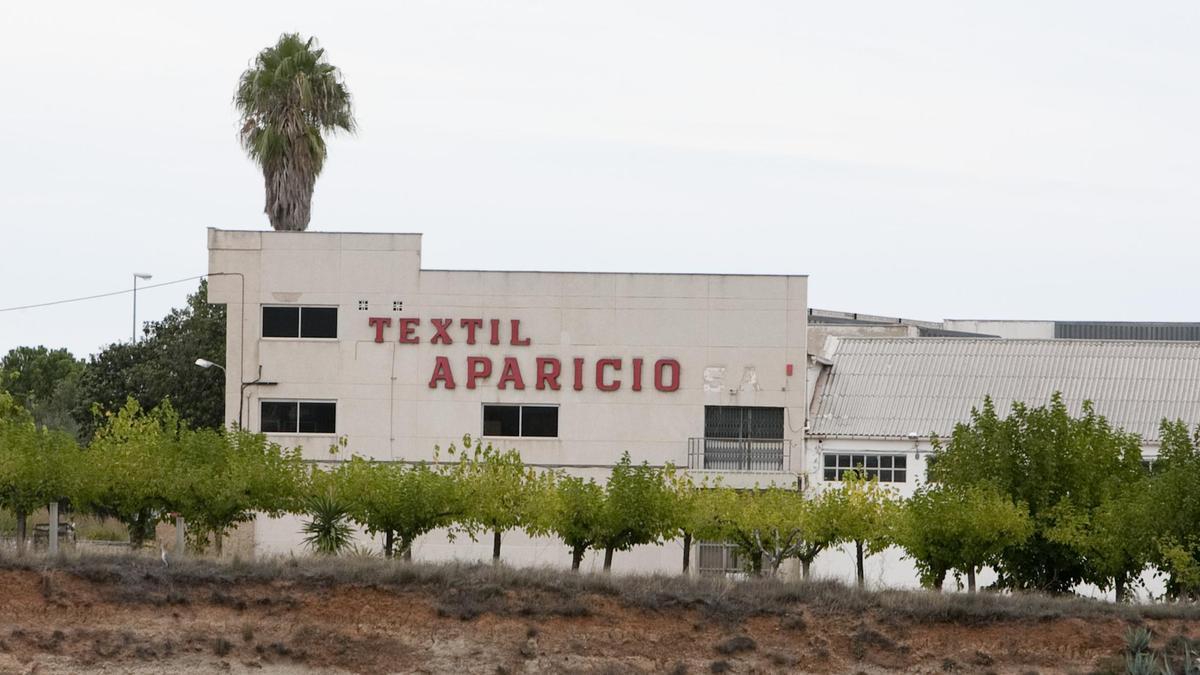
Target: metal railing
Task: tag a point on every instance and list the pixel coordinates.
(739, 454)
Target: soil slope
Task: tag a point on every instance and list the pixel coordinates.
(132, 615)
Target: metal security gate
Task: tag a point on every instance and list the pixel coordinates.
(740, 438)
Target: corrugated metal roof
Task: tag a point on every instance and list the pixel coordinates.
(889, 387)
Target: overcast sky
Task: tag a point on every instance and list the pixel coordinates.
(922, 159)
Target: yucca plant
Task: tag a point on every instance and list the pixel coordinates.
(1137, 640)
(328, 530)
(288, 99)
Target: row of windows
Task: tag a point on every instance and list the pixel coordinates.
(887, 468)
(541, 421)
(320, 417)
(299, 322)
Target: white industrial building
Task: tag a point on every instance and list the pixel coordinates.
(346, 335)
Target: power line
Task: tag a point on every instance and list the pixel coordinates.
(101, 295)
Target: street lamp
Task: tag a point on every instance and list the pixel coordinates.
(205, 363)
(144, 277)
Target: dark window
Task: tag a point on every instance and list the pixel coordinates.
(281, 322)
(303, 322)
(887, 468)
(731, 421)
(278, 416)
(539, 420)
(520, 420)
(501, 420)
(305, 417)
(318, 322)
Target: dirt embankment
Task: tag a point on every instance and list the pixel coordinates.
(132, 615)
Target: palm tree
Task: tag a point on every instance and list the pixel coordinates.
(288, 98)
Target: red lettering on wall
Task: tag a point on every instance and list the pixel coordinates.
(378, 323)
(511, 372)
(471, 325)
(548, 370)
(660, 368)
(495, 331)
(478, 368)
(441, 336)
(515, 339)
(442, 373)
(615, 364)
(578, 375)
(408, 328)
(637, 374)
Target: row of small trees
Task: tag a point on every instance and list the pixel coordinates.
(1047, 499)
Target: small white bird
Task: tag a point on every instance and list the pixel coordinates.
(163, 550)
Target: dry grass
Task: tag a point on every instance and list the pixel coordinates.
(466, 591)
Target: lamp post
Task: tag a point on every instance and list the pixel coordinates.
(145, 277)
(205, 363)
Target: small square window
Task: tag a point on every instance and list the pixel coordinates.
(318, 322)
(899, 476)
(901, 462)
(885, 475)
(501, 420)
(830, 461)
(858, 461)
(281, 322)
(539, 421)
(872, 462)
(831, 474)
(885, 462)
(363, 305)
(397, 306)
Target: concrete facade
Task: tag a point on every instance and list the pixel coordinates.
(619, 340)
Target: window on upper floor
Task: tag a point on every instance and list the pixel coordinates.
(887, 468)
(298, 417)
(293, 321)
(530, 421)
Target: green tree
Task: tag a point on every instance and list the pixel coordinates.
(37, 465)
(400, 501)
(1059, 466)
(288, 99)
(638, 507)
(161, 367)
(864, 514)
(130, 469)
(45, 381)
(1175, 504)
(572, 510)
(961, 529)
(220, 478)
(499, 490)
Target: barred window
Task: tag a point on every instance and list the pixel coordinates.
(717, 559)
(887, 468)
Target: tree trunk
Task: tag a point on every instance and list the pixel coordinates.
(687, 551)
(406, 549)
(576, 557)
(219, 543)
(608, 554)
(389, 540)
(971, 579)
(858, 557)
(939, 580)
(1121, 592)
(805, 568)
(496, 547)
(21, 522)
(756, 563)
